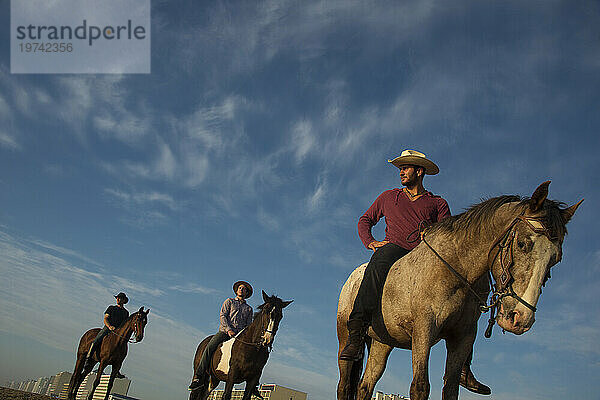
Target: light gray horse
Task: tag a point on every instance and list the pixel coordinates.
(425, 301)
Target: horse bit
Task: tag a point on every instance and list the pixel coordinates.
(503, 286)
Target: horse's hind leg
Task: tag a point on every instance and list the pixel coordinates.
(349, 377)
(376, 362)
(349, 370)
(76, 379)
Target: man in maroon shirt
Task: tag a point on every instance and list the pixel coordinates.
(403, 209)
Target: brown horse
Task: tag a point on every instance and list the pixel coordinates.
(242, 358)
(439, 289)
(113, 350)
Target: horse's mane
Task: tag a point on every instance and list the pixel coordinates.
(479, 216)
(273, 300)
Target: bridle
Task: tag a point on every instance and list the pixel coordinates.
(503, 286)
(261, 343)
(135, 328)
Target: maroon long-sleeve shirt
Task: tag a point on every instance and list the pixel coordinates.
(402, 216)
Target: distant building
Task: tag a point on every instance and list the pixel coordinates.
(41, 385)
(59, 384)
(388, 396)
(269, 391)
(120, 387)
(52, 379)
(29, 386)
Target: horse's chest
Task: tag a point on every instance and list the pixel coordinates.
(225, 360)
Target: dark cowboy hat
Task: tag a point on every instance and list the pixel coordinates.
(238, 283)
(123, 296)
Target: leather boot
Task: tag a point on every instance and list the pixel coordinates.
(89, 359)
(469, 382)
(199, 381)
(353, 350)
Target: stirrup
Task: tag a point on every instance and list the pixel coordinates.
(196, 385)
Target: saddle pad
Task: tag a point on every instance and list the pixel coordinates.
(225, 356)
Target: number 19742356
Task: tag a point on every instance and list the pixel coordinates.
(34, 47)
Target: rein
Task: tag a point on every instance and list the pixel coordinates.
(259, 344)
(129, 340)
(503, 286)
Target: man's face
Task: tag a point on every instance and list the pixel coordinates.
(408, 175)
(120, 301)
(242, 291)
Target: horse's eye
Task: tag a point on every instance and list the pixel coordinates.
(521, 244)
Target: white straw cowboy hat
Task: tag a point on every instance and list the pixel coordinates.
(413, 157)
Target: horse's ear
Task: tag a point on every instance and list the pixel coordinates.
(147, 311)
(265, 297)
(538, 197)
(567, 213)
(141, 309)
(287, 303)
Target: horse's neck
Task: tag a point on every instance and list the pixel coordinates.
(472, 250)
(254, 331)
(124, 331)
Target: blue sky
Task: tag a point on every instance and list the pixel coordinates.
(250, 151)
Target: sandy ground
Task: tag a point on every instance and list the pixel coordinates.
(12, 394)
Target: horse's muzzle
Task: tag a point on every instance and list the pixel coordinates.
(516, 321)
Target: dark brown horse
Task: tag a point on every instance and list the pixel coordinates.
(438, 290)
(113, 350)
(242, 359)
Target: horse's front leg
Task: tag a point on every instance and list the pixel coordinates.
(228, 388)
(457, 351)
(97, 380)
(113, 374)
(421, 347)
(376, 362)
(250, 385)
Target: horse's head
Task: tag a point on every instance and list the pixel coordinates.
(272, 314)
(522, 257)
(139, 321)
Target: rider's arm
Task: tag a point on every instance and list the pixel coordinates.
(443, 210)
(108, 325)
(224, 317)
(370, 218)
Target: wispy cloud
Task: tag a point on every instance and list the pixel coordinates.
(137, 199)
(194, 288)
(303, 139)
(317, 198)
(8, 141)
